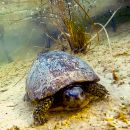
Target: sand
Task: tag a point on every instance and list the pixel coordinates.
(112, 114)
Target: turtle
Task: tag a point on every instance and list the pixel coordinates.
(57, 78)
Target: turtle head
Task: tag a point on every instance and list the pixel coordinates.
(73, 97)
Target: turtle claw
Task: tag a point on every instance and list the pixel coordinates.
(39, 117)
(40, 121)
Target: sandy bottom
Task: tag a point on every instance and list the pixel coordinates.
(112, 114)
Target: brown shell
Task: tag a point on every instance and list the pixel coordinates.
(54, 70)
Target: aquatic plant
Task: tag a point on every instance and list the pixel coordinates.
(75, 30)
(77, 36)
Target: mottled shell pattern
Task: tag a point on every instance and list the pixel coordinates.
(54, 70)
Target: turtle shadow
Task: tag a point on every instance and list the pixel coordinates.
(61, 115)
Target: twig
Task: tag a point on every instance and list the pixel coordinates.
(84, 11)
(19, 80)
(115, 76)
(108, 39)
(104, 26)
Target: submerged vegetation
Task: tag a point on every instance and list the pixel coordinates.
(75, 24)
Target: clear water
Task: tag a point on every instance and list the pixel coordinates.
(18, 29)
(21, 28)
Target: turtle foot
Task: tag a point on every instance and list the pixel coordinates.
(39, 114)
(98, 90)
(39, 120)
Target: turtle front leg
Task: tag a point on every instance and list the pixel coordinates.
(97, 89)
(41, 109)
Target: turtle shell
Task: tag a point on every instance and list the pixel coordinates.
(54, 70)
